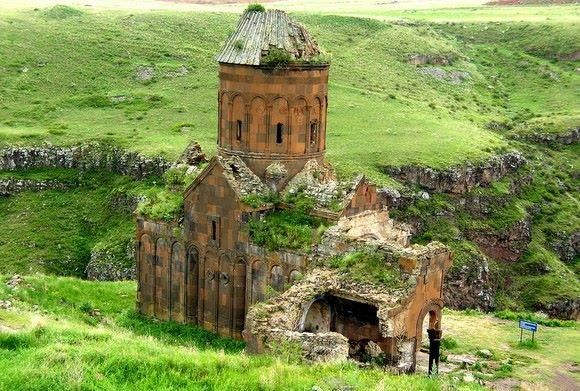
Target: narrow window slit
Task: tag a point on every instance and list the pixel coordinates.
(279, 130)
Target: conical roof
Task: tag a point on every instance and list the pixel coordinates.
(259, 32)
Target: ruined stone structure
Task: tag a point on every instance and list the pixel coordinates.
(272, 137)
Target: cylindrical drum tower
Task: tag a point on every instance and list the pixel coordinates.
(273, 94)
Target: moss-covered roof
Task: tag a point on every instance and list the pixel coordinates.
(258, 33)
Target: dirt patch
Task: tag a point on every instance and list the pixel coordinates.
(565, 382)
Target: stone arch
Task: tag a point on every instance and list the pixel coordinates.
(178, 288)
(225, 296)
(146, 275)
(239, 303)
(210, 290)
(294, 276)
(315, 126)
(191, 283)
(433, 310)
(258, 125)
(299, 125)
(279, 125)
(224, 118)
(277, 280)
(162, 279)
(258, 281)
(238, 122)
(317, 316)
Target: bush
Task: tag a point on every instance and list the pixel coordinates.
(545, 321)
(59, 12)
(290, 229)
(255, 7)
(276, 57)
(367, 265)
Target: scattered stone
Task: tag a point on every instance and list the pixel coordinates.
(15, 281)
(145, 73)
(5, 304)
(373, 350)
(468, 377)
(453, 77)
(485, 353)
(193, 155)
(464, 360)
(275, 172)
(119, 98)
(181, 71)
(432, 59)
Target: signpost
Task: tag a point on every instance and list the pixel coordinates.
(527, 325)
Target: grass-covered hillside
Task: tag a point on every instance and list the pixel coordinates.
(146, 81)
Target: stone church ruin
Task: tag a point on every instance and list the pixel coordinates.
(359, 290)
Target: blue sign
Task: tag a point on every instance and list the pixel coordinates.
(527, 325)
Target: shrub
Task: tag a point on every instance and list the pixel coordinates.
(545, 321)
(277, 57)
(256, 7)
(59, 12)
(367, 265)
(290, 229)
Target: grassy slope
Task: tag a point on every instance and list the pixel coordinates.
(60, 345)
(382, 112)
(54, 339)
(55, 230)
(74, 65)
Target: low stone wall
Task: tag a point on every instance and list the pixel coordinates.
(10, 185)
(459, 179)
(85, 157)
(567, 138)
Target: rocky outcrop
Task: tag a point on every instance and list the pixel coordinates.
(10, 185)
(431, 59)
(459, 179)
(193, 155)
(469, 287)
(112, 261)
(566, 246)
(85, 157)
(572, 136)
(566, 308)
(507, 245)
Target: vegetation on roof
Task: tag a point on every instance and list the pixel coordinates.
(256, 7)
(369, 265)
(293, 229)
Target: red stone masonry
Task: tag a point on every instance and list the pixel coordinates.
(269, 114)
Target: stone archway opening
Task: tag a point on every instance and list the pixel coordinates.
(357, 321)
(429, 341)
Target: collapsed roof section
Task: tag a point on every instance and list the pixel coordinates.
(258, 33)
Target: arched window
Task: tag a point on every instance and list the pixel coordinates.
(313, 132)
(239, 130)
(279, 130)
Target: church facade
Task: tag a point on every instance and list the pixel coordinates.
(272, 124)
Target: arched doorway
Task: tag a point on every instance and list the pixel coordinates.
(428, 340)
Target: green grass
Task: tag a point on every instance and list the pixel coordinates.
(368, 265)
(290, 229)
(63, 87)
(55, 230)
(54, 346)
